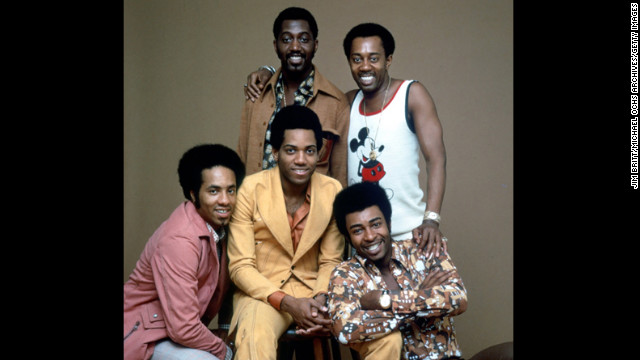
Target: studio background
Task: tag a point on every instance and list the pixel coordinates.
(184, 66)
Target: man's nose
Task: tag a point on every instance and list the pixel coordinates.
(295, 44)
(224, 198)
(369, 234)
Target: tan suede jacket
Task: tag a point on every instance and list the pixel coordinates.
(328, 102)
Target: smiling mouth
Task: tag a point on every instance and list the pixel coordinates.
(373, 248)
(223, 212)
(367, 78)
(295, 58)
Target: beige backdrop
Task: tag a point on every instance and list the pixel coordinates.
(184, 66)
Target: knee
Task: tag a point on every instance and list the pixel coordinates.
(384, 348)
(256, 337)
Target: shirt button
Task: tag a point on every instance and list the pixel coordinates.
(292, 267)
(155, 315)
(281, 281)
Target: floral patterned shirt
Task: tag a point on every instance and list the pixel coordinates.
(423, 316)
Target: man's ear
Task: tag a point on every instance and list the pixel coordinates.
(193, 196)
(388, 62)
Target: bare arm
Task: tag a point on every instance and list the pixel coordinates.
(429, 132)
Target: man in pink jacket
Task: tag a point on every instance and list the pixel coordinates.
(181, 278)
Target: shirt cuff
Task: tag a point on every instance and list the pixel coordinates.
(275, 299)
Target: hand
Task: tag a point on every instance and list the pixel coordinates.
(255, 83)
(306, 312)
(430, 239)
(436, 277)
(371, 300)
(317, 330)
(222, 334)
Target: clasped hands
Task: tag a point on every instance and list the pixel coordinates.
(310, 315)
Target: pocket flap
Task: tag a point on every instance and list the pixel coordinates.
(153, 316)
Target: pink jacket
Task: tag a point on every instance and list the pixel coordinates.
(176, 282)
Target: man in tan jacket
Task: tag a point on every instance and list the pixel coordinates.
(296, 82)
(283, 240)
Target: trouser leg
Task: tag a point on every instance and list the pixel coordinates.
(385, 348)
(258, 330)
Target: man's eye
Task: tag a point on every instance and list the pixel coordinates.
(311, 151)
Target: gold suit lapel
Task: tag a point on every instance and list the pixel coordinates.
(271, 206)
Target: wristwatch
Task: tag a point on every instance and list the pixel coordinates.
(432, 215)
(385, 299)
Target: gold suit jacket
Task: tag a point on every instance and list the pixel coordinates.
(260, 248)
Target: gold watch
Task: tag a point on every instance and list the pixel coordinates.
(385, 299)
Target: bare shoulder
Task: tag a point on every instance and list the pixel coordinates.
(419, 92)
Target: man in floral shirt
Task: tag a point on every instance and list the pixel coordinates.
(390, 300)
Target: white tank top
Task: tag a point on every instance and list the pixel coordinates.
(396, 150)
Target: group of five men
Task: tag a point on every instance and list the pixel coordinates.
(315, 176)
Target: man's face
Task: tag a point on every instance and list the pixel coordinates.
(369, 234)
(297, 157)
(368, 63)
(295, 46)
(217, 195)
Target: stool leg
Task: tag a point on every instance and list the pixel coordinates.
(318, 351)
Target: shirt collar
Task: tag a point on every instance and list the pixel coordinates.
(216, 237)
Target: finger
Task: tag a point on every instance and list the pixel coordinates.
(417, 236)
(445, 246)
(430, 244)
(323, 322)
(253, 92)
(318, 305)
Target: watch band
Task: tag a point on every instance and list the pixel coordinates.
(432, 215)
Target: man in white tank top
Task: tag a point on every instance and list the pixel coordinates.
(391, 121)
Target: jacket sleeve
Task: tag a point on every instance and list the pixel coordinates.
(331, 250)
(449, 299)
(242, 251)
(351, 324)
(175, 268)
(338, 162)
(243, 138)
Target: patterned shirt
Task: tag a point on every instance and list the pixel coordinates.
(423, 316)
(303, 94)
